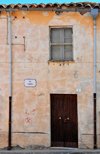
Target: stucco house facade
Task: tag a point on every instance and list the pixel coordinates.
(52, 65)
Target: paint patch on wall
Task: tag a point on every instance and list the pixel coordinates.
(45, 13)
(28, 120)
(31, 112)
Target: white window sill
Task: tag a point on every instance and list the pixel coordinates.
(61, 61)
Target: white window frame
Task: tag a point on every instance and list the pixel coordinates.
(50, 44)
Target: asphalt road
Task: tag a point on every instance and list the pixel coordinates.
(71, 151)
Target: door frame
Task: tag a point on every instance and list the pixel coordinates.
(50, 114)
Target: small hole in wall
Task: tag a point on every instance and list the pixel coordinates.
(15, 36)
(58, 12)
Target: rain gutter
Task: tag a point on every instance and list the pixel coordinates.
(59, 10)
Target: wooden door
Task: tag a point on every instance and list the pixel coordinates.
(64, 126)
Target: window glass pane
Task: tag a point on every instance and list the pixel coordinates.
(67, 40)
(61, 52)
(55, 35)
(67, 47)
(68, 55)
(68, 32)
(55, 52)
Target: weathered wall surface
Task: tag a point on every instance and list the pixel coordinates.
(31, 106)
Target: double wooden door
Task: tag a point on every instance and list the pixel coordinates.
(64, 125)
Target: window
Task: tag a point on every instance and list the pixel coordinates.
(61, 44)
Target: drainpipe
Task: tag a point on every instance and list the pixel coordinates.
(10, 84)
(94, 13)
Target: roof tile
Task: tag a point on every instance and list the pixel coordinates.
(57, 5)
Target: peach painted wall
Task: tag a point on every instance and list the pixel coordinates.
(31, 106)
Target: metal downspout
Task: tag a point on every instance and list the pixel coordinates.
(94, 55)
(94, 13)
(94, 97)
(10, 84)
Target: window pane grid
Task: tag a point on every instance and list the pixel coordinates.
(61, 44)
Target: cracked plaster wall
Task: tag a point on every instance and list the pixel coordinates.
(31, 106)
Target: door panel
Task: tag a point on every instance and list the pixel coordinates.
(70, 112)
(56, 120)
(64, 127)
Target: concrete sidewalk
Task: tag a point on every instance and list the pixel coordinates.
(51, 151)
